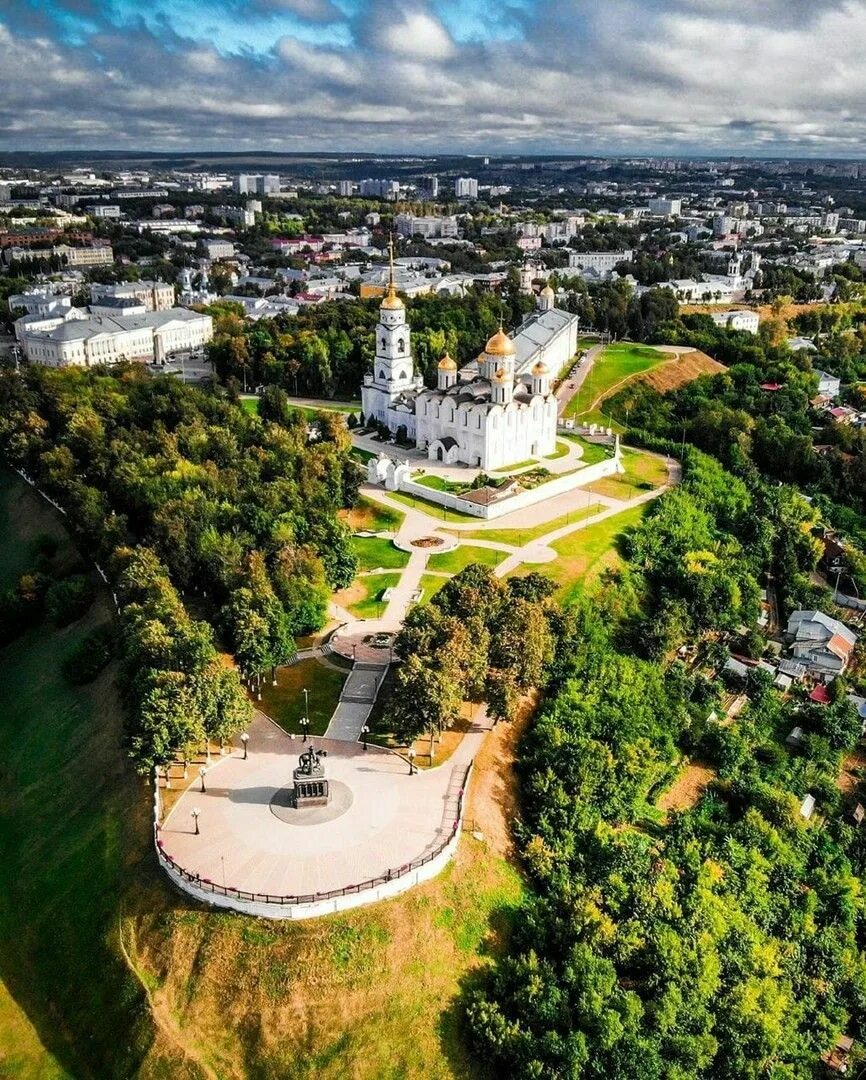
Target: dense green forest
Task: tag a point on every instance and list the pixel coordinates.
(757, 417)
(726, 941)
(325, 351)
(179, 493)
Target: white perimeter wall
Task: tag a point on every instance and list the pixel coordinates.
(549, 490)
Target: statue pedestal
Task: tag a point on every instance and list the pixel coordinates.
(311, 788)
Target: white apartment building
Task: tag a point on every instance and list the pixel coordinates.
(381, 189)
(601, 261)
(103, 210)
(412, 225)
(154, 295)
(40, 300)
(466, 187)
(737, 320)
(85, 256)
(345, 188)
(218, 249)
(666, 207)
(84, 340)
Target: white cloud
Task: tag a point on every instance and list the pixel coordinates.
(626, 74)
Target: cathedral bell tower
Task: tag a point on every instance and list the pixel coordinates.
(393, 369)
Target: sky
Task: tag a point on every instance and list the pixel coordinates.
(744, 77)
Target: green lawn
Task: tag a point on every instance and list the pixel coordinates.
(374, 552)
(250, 405)
(358, 453)
(592, 452)
(439, 483)
(452, 562)
(520, 465)
(560, 451)
(585, 554)
(643, 472)
(432, 508)
(284, 702)
(431, 584)
(616, 363)
(364, 596)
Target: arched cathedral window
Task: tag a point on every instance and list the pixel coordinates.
(401, 345)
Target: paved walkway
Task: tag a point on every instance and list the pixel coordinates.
(394, 818)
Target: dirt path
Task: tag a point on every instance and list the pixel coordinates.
(493, 796)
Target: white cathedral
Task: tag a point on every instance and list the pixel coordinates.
(492, 412)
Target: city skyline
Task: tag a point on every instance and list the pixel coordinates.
(673, 77)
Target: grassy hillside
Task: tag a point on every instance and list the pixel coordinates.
(73, 824)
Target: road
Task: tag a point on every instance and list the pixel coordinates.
(570, 386)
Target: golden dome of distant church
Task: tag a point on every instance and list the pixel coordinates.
(447, 363)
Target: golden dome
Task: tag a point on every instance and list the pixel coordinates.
(500, 344)
(500, 376)
(548, 290)
(540, 368)
(392, 301)
(447, 364)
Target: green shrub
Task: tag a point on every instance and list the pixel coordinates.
(67, 600)
(90, 656)
(22, 606)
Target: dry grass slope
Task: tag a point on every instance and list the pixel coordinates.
(677, 373)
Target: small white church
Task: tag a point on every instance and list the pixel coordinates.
(493, 411)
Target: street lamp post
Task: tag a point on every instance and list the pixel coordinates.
(411, 756)
(194, 813)
(202, 772)
(365, 731)
(245, 739)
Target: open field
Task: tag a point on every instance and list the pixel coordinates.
(284, 702)
(452, 562)
(374, 552)
(616, 363)
(584, 555)
(687, 789)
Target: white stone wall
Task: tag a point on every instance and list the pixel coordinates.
(316, 908)
(557, 486)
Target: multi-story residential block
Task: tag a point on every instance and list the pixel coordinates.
(666, 207)
(466, 187)
(218, 249)
(412, 225)
(602, 261)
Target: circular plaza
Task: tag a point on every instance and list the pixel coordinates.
(242, 843)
